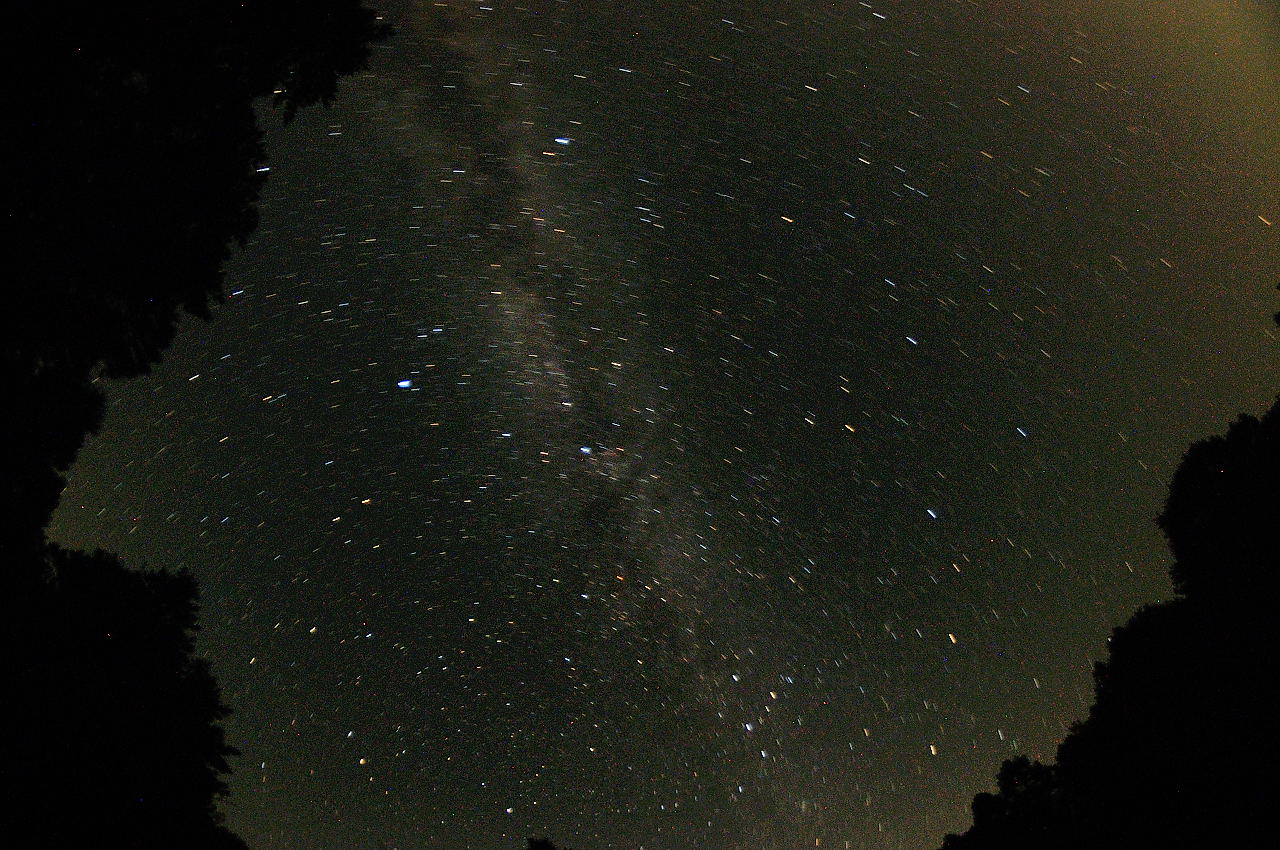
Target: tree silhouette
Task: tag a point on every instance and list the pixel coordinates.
(1180, 745)
(543, 844)
(1222, 500)
(139, 162)
(112, 719)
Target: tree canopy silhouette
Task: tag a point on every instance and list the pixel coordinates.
(1179, 747)
(1221, 503)
(543, 844)
(113, 723)
(139, 161)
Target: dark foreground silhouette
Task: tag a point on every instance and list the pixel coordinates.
(139, 157)
(543, 844)
(138, 162)
(1179, 749)
(113, 735)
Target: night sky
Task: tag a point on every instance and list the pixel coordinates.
(727, 424)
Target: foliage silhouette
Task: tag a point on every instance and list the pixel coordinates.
(1179, 747)
(1220, 501)
(116, 720)
(543, 844)
(139, 160)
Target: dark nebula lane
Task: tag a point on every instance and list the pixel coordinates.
(712, 424)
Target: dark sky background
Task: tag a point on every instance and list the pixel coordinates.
(726, 424)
